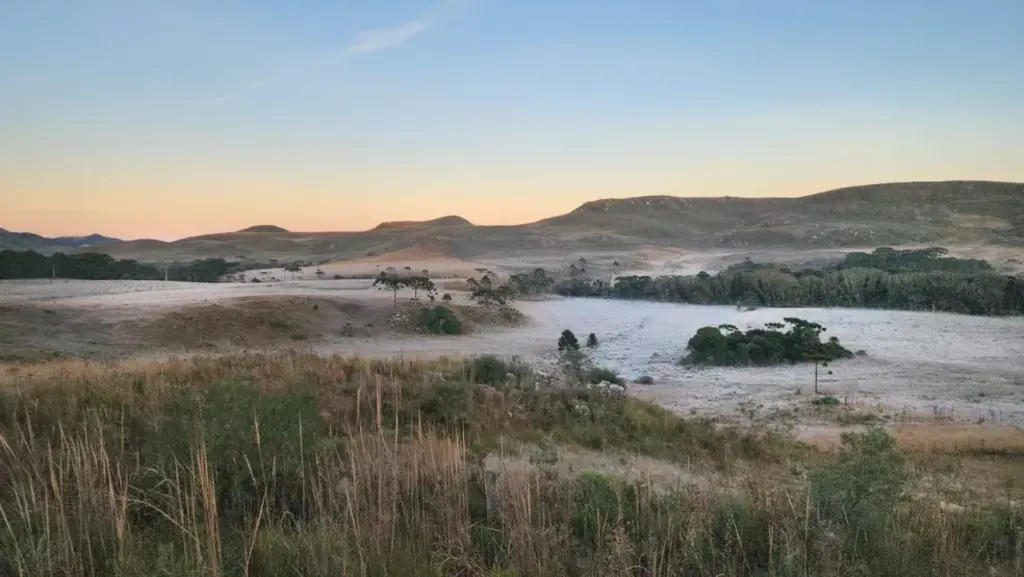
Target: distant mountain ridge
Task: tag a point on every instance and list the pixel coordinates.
(265, 228)
(451, 220)
(948, 212)
(32, 241)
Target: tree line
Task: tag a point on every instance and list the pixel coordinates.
(96, 266)
(884, 279)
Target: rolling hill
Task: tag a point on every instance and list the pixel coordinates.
(951, 212)
(264, 228)
(31, 241)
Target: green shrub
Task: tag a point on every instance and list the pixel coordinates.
(592, 341)
(864, 485)
(644, 380)
(598, 374)
(440, 320)
(492, 370)
(826, 400)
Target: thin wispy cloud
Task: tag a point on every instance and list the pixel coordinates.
(385, 38)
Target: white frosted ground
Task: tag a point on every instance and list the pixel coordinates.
(965, 366)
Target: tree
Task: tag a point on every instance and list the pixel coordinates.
(819, 359)
(320, 274)
(591, 341)
(568, 341)
(293, 268)
(420, 283)
(392, 282)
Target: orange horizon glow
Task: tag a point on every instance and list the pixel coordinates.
(169, 119)
(221, 214)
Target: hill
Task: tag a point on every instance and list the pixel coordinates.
(264, 228)
(953, 212)
(32, 241)
(897, 213)
(437, 222)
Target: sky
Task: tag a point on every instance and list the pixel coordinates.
(169, 118)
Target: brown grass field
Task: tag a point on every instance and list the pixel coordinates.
(289, 464)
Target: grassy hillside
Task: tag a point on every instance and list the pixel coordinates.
(301, 465)
(857, 216)
(880, 214)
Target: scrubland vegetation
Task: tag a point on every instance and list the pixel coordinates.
(300, 465)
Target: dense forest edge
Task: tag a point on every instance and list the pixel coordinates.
(28, 264)
(917, 280)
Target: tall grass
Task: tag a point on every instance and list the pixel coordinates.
(298, 465)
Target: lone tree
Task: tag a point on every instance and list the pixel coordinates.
(568, 341)
(293, 268)
(591, 341)
(819, 360)
(392, 282)
(421, 283)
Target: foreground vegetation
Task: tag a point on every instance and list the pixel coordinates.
(885, 279)
(298, 465)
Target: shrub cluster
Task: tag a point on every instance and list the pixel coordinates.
(439, 320)
(725, 345)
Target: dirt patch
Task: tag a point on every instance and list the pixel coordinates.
(933, 438)
(31, 332)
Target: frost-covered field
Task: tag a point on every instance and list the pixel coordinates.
(927, 363)
(968, 367)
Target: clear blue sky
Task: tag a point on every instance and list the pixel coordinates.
(164, 118)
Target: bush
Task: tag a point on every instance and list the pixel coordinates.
(862, 488)
(494, 371)
(591, 341)
(440, 320)
(598, 374)
(826, 400)
(645, 380)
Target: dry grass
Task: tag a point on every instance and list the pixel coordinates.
(296, 465)
(934, 438)
(253, 321)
